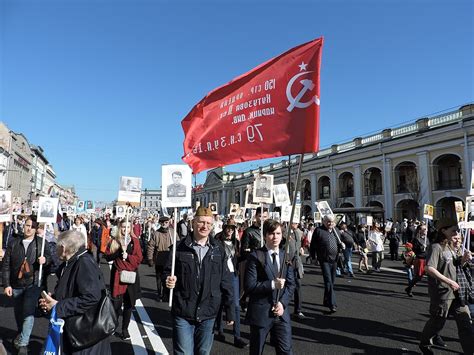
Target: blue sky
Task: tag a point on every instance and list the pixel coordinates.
(103, 86)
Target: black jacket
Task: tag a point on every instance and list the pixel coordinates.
(200, 289)
(13, 260)
(320, 245)
(79, 286)
(251, 239)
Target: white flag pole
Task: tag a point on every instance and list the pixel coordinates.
(40, 276)
(173, 259)
(261, 225)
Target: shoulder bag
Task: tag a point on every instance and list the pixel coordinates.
(128, 277)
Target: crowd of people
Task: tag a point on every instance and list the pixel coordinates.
(256, 267)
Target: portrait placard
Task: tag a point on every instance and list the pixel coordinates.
(16, 205)
(428, 211)
(28, 211)
(297, 215)
(471, 190)
(48, 207)
(323, 208)
(458, 207)
(276, 215)
(120, 211)
(233, 209)
(213, 207)
(285, 213)
(263, 187)
(64, 209)
(388, 226)
(369, 220)
(281, 195)
(130, 189)
(81, 206)
(34, 205)
(176, 184)
(317, 217)
(249, 198)
(71, 210)
(90, 206)
(5, 206)
(240, 215)
(198, 204)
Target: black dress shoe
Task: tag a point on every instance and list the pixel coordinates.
(220, 337)
(438, 341)
(426, 349)
(240, 343)
(333, 309)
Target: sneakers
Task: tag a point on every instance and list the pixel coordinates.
(240, 343)
(408, 291)
(333, 309)
(125, 335)
(438, 341)
(16, 341)
(426, 349)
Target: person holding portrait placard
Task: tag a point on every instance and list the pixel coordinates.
(201, 283)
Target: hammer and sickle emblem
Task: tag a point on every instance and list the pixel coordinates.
(295, 101)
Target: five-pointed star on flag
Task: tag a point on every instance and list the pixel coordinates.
(303, 66)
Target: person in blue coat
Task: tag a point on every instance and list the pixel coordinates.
(269, 293)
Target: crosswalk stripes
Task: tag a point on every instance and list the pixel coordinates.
(155, 339)
(138, 344)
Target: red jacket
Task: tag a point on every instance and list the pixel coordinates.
(134, 258)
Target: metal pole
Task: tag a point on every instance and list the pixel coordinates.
(173, 259)
(287, 248)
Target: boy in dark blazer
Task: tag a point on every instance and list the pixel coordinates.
(270, 293)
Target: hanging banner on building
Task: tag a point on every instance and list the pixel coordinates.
(263, 187)
(176, 184)
(130, 190)
(48, 208)
(270, 111)
(282, 197)
(5, 206)
(428, 211)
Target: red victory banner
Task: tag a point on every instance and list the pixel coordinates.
(270, 111)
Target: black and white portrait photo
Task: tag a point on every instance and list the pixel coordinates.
(48, 207)
(132, 184)
(5, 206)
(233, 209)
(323, 208)
(120, 211)
(213, 207)
(263, 188)
(176, 185)
(176, 189)
(280, 193)
(249, 202)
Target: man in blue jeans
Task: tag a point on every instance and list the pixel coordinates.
(348, 240)
(20, 278)
(201, 281)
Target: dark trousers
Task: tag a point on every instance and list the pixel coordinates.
(329, 277)
(394, 251)
(220, 322)
(127, 308)
(161, 290)
(439, 313)
(280, 333)
(298, 300)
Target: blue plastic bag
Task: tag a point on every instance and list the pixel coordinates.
(53, 343)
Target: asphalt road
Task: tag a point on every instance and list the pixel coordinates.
(374, 316)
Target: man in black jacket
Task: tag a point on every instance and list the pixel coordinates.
(201, 282)
(20, 279)
(325, 244)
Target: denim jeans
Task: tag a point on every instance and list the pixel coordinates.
(348, 260)
(24, 305)
(409, 274)
(329, 277)
(219, 321)
(191, 337)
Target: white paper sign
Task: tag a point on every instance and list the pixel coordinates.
(285, 213)
(176, 182)
(213, 207)
(249, 198)
(263, 187)
(5, 206)
(233, 209)
(369, 220)
(48, 207)
(317, 217)
(130, 189)
(388, 226)
(428, 211)
(280, 193)
(323, 208)
(120, 211)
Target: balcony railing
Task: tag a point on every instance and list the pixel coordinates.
(448, 184)
(373, 192)
(404, 188)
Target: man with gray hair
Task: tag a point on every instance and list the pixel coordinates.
(325, 245)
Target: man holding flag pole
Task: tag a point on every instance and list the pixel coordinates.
(270, 111)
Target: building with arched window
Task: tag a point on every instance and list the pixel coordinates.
(397, 170)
